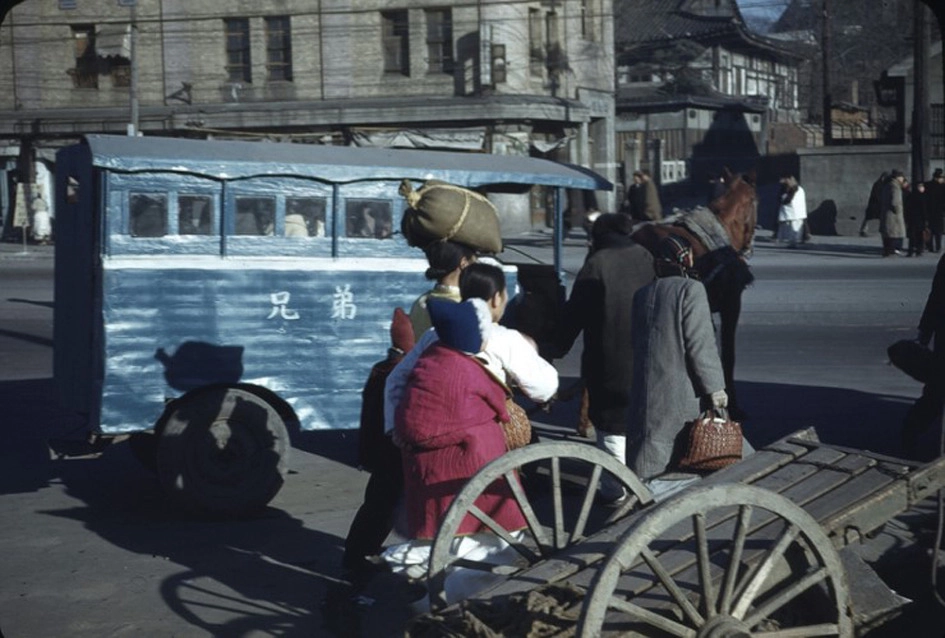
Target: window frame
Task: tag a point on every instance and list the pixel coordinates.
(279, 29)
(395, 41)
(439, 40)
(85, 72)
(237, 47)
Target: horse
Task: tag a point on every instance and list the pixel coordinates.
(721, 237)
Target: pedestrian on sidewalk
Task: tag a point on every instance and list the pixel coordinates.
(599, 307)
(792, 213)
(916, 223)
(677, 371)
(874, 203)
(892, 225)
(378, 455)
(935, 209)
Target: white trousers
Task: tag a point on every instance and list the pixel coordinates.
(616, 446)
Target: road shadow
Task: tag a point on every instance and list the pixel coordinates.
(268, 574)
(840, 416)
(822, 245)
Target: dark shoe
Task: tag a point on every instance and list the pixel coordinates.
(613, 503)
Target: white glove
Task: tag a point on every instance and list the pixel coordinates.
(719, 400)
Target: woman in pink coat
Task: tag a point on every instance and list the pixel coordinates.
(447, 423)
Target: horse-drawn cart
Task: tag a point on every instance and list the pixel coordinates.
(755, 549)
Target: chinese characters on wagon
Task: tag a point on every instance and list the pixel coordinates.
(342, 305)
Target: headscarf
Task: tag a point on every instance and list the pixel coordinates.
(462, 326)
(674, 257)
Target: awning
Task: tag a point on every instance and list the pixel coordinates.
(113, 40)
(466, 139)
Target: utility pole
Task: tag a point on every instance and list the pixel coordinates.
(133, 52)
(920, 93)
(825, 63)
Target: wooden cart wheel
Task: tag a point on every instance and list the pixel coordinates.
(222, 451)
(558, 505)
(720, 561)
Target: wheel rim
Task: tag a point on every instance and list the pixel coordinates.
(564, 520)
(733, 542)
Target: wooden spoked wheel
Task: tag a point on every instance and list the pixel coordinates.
(720, 561)
(555, 485)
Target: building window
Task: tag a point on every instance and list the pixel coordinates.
(440, 40)
(238, 63)
(590, 12)
(536, 47)
(85, 73)
(67, 5)
(395, 41)
(937, 137)
(278, 49)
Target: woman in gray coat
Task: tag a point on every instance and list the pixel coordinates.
(676, 366)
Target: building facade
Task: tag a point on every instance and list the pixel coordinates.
(528, 78)
(696, 89)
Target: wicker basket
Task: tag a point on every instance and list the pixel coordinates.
(714, 442)
(518, 430)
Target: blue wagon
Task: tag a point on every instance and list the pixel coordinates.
(218, 294)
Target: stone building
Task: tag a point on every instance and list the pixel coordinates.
(529, 78)
(696, 91)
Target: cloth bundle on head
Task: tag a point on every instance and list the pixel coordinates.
(401, 331)
(440, 211)
(462, 326)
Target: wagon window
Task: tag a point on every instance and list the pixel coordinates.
(368, 218)
(194, 214)
(148, 215)
(305, 216)
(255, 215)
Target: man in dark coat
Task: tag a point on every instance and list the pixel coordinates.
(927, 409)
(935, 209)
(874, 203)
(600, 306)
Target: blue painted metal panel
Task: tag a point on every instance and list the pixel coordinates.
(178, 268)
(309, 330)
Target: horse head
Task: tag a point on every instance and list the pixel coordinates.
(737, 209)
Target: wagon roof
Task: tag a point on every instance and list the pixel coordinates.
(335, 164)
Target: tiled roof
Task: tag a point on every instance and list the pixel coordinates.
(644, 21)
(654, 23)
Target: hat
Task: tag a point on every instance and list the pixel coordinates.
(937, 173)
(401, 331)
(462, 326)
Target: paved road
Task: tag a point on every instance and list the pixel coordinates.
(90, 548)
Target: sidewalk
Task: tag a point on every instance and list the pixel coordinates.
(13, 250)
